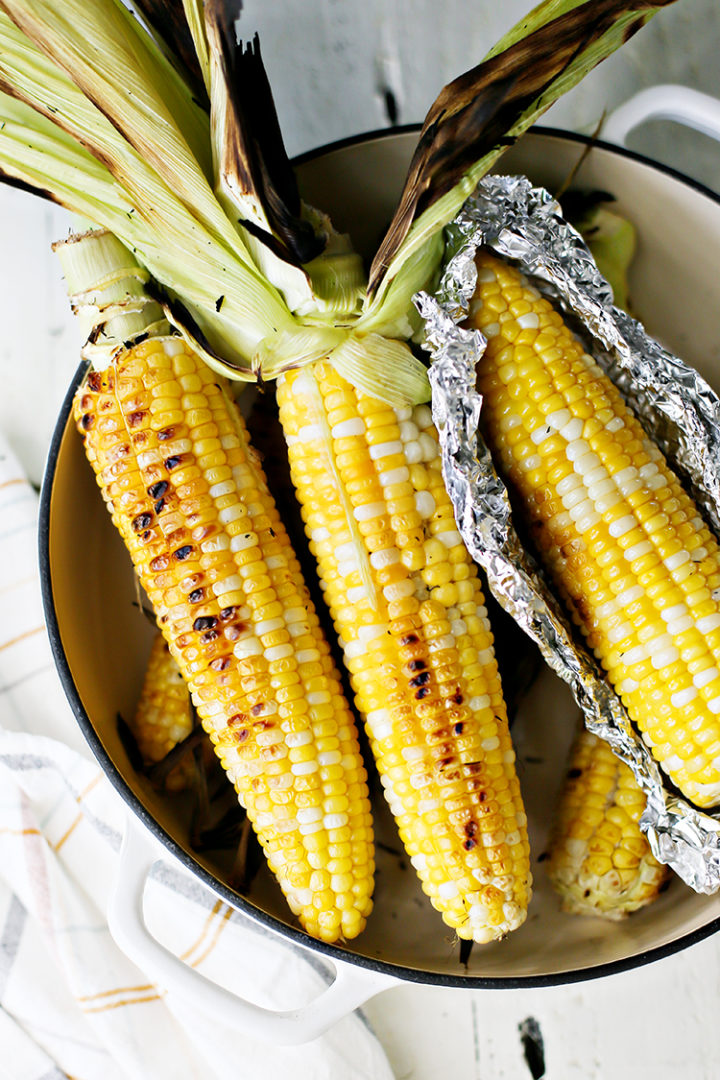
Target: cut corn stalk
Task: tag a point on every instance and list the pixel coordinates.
(409, 610)
(599, 860)
(163, 716)
(635, 563)
(188, 496)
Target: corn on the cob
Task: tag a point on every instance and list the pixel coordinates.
(163, 716)
(633, 559)
(599, 860)
(407, 604)
(171, 457)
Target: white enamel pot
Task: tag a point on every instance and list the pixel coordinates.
(676, 291)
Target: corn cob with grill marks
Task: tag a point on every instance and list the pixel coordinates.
(634, 561)
(171, 456)
(407, 605)
(600, 861)
(163, 717)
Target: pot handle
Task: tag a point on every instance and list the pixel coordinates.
(666, 102)
(352, 986)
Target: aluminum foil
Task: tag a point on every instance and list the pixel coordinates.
(677, 408)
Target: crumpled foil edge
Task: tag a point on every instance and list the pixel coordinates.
(675, 405)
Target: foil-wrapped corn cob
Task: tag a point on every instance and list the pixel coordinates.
(625, 545)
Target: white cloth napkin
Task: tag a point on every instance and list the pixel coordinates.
(71, 1003)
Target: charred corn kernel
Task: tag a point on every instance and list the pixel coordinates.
(163, 717)
(394, 570)
(600, 861)
(227, 601)
(636, 565)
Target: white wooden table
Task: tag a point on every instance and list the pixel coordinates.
(338, 69)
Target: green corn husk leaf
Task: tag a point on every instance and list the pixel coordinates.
(382, 368)
(228, 300)
(286, 351)
(244, 315)
(478, 115)
(122, 98)
(612, 240)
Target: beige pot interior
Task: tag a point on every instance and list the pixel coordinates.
(105, 640)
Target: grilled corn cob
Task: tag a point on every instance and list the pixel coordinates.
(631, 556)
(407, 605)
(171, 457)
(163, 717)
(600, 861)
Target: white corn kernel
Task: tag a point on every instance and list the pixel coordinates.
(422, 415)
(708, 623)
(243, 541)
(369, 511)
(664, 658)
(428, 446)
(572, 431)
(225, 487)
(674, 562)
(249, 646)
(622, 526)
(577, 449)
(568, 483)
(408, 431)
(424, 504)
(279, 652)
(637, 551)
(541, 434)
(309, 433)
(450, 539)
(303, 768)
(629, 596)
(386, 449)
(401, 475)
(683, 697)
(386, 557)
(347, 428)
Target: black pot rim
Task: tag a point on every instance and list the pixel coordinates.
(293, 934)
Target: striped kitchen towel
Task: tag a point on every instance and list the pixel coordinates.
(71, 1003)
